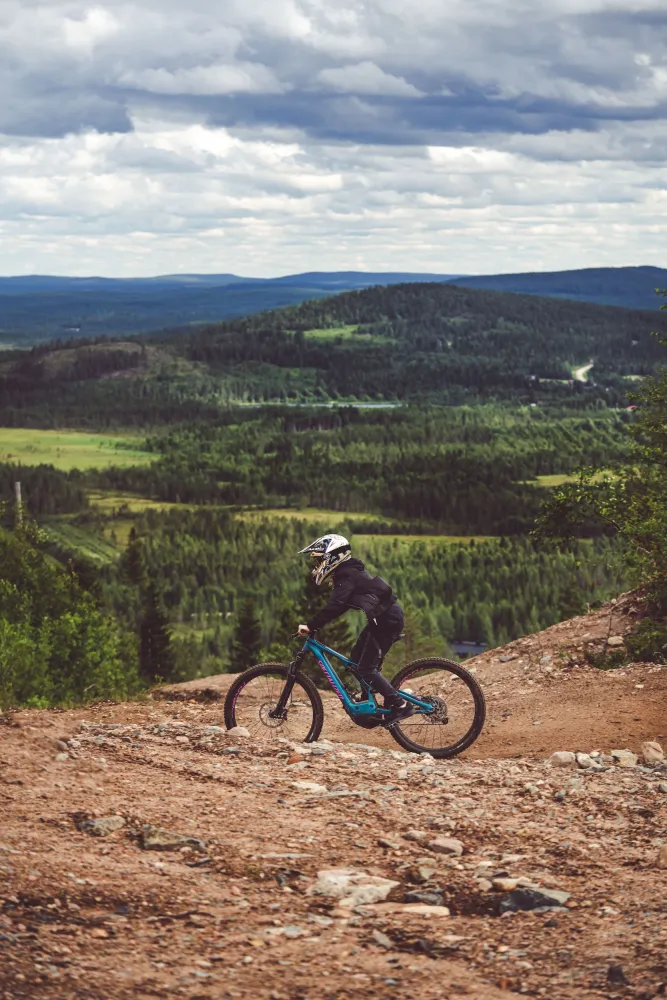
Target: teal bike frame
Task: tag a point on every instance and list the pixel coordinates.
(363, 709)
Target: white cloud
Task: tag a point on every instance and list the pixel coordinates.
(249, 78)
(367, 78)
(84, 33)
(218, 202)
(265, 136)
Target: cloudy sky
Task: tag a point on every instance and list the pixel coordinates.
(265, 137)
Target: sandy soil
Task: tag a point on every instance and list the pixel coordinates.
(230, 912)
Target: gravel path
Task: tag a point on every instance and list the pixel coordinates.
(146, 853)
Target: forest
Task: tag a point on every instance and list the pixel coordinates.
(38, 308)
(464, 470)
(188, 564)
(423, 344)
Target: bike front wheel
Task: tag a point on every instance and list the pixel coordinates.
(459, 709)
(253, 697)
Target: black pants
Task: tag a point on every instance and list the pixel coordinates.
(373, 644)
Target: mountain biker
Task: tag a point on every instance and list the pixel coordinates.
(354, 587)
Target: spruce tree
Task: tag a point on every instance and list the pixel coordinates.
(156, 655)
(133, 560)
(247, 639)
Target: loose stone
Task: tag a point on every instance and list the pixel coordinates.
(562, 758)
(652, 752)
(446, 845)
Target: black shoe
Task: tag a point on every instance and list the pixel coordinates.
(399, 711)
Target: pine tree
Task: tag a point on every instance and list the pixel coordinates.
(156, 655)
(133, 560)
(247, 638)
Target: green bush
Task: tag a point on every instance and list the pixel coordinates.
(631, 503)
(56, 646)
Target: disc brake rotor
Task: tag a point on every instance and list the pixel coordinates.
(440, 713)
(271, 722)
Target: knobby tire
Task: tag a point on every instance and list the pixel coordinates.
(446, 666)
(300, 680)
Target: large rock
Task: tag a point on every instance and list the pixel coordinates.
(661, 860)
(652, 752)
(562, 758)
(446, 845)
(533, 899)
(312, 787)
(409, 909)
(504, 884)
(154, 838)
(624, 758)
(239, 731)
(428, 898)
(101, 827)
(351, 888)
(615, 641)
(418, 836)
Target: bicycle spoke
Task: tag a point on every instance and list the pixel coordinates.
(458, 708)
(258, 698)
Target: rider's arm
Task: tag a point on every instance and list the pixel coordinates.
(337, 604)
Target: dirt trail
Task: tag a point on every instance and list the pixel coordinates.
(230, 910)
(581, 374)
(542, 694)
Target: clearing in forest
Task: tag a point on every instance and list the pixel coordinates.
(68, 450)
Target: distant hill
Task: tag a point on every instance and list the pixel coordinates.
(37, 308)
(414, 342)
(631, 287)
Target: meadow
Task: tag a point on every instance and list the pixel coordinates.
(67, 450)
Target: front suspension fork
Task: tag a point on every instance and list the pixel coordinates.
(280, 711)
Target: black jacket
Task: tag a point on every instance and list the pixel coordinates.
(354, 588)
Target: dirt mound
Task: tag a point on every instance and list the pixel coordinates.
(144, 855)
(542, 693)
(145, 852)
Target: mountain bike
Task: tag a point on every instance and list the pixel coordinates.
(279, 699)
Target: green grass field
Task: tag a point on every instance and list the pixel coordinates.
(68, 450)
(349, 332)
(84, 540)
(109, 502)
(331, 517)
(557, 479)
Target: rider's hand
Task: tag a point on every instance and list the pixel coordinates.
(304, 630)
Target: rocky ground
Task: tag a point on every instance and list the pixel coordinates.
(145, 852)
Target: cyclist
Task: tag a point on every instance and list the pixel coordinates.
(354, 587)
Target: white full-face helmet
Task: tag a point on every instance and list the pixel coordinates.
(329, 551)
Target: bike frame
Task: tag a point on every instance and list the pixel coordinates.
(367, 708)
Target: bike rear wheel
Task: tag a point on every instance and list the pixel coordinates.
(254, 695)
(459, 708)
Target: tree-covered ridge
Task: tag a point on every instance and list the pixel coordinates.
(211, 562)
(437, 339)
(417, 343)
(42, 308)
(466, 470)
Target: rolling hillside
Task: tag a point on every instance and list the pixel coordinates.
(417, 342)
(37, 308)
(632, 287)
